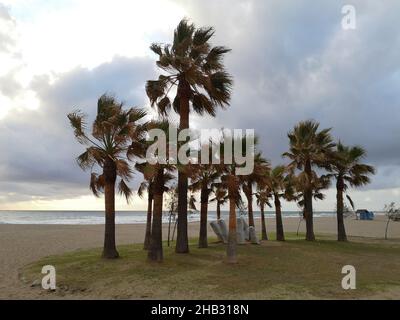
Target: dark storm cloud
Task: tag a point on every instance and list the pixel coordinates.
(292, 61)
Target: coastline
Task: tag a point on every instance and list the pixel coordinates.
(22, 244)
(122, 217)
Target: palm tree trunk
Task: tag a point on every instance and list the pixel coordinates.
(264, 235)
(339, 203)
(156, 251)
(309, 217)
(182, 242)
(169, 228)
(203, 218)
(110, 175)
(148, 222)
(249, 197)
(231, 248)
(218, 210)
(280, 236)
(308, 205)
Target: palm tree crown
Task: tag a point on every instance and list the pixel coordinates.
(117, 134)
(195, 67)
(347, 165)
(307, 144)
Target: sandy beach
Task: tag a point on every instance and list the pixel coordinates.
(22, 244)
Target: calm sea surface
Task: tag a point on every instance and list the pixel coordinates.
(97, 217)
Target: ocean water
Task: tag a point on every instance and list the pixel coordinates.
(122, 217)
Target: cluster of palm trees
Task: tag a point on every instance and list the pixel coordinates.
(194, 70)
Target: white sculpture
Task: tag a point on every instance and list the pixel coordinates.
(253, 236)
(217, 230)
(240, 234)
(245, 228)
(223, 229)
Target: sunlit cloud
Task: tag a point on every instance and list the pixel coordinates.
(88, 33)
(52, 39)
(85, 203)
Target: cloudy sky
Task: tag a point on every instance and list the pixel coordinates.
(291, 61)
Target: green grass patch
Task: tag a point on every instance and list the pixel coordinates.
(294, 269)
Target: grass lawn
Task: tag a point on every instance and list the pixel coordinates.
(295, 269)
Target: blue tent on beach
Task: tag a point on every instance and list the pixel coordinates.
(365, 214)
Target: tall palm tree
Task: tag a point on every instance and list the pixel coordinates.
(196, 69)
(263, 196)
(220, 197)
(202, 177)
(309, 149)
(348, 170)
(116, 134)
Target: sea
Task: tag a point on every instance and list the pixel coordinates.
(122, 217)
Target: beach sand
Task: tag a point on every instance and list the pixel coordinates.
(22, 244)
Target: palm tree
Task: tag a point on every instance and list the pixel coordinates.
(196, 69)
(220, 197)
(146, 186)
(278, 184)
(309, 148)
(262, 197)
(155, 252)
(322, 183)
(348, 170)
(260, 166)
(294, 192)
(202, 177)
(161, 174)
(232, 183)
(116, 133)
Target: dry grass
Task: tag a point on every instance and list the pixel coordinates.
(295, 269)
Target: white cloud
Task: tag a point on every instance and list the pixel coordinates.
(50, 39)
(91, 32)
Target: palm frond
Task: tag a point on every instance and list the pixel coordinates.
(123, 169)
(124, 190)
(214, 59)
(96, 184)
(202, 35)
(143, 187)
(192, 202)
(156, 48)
(156, 89)
(351, 201)
(77, 121)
